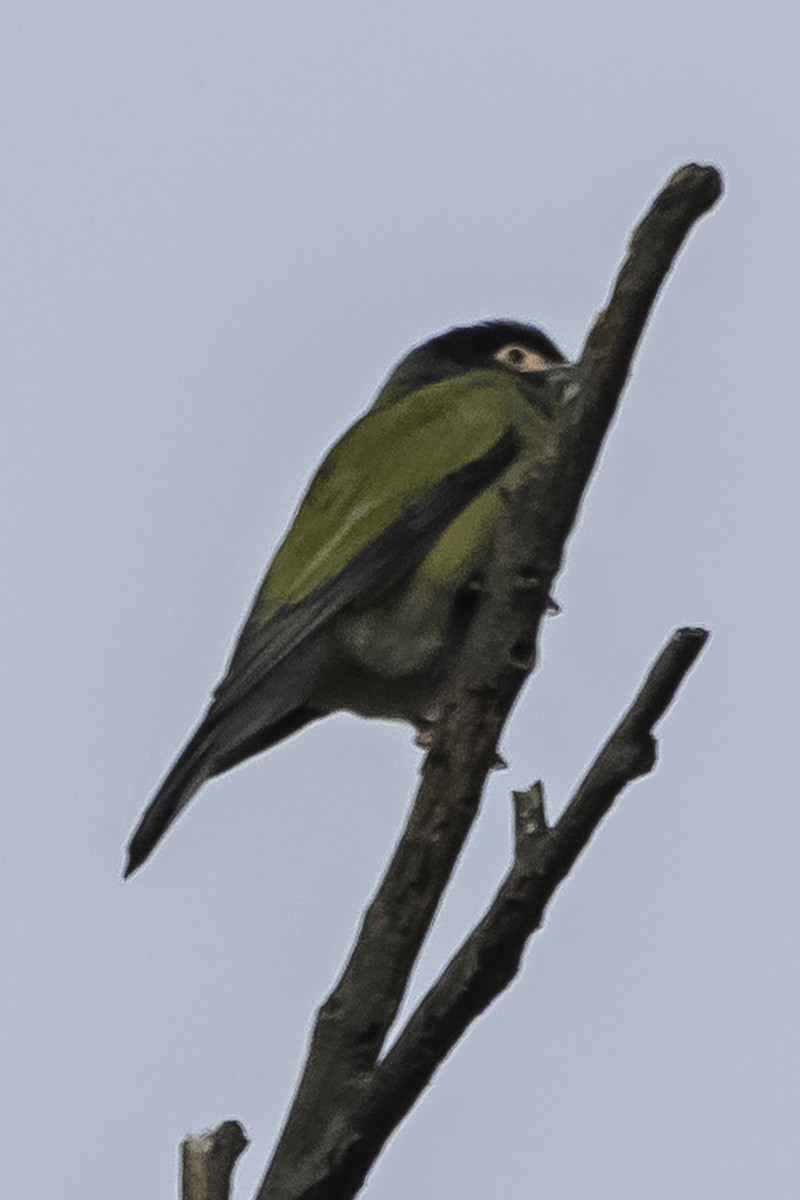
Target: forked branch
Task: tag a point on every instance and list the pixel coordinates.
(353, 1093)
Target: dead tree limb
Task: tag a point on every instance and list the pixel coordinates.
(352, 1092)
(489, 958)
(208, 1161)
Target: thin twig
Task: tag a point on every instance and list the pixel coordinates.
(208, 1160)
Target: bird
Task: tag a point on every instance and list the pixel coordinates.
(369, 596)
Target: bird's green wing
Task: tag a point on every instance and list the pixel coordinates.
(381, 499)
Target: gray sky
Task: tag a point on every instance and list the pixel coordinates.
(219, 228)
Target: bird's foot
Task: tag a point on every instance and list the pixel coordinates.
(423, 738)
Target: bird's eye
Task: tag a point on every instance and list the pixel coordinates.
(520, 358)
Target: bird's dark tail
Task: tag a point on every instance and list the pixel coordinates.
(207, 753)
(192, 769)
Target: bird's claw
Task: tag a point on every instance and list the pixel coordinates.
(423, 738)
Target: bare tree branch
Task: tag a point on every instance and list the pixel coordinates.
(208, 1161)
(611, 343)
(490, 956)
(350, 1098)
(628, 753)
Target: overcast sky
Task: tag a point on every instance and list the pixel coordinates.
(220, 224)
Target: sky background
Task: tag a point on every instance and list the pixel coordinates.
(220, 224)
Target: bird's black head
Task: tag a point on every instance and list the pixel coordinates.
(474, 346)
(499, 345)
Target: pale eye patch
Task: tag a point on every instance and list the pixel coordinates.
(521, 359)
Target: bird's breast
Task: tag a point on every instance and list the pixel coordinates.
(394, 655)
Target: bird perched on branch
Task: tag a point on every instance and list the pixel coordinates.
(368, 597)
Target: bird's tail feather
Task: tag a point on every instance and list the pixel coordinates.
(209, 752)
(192, 768)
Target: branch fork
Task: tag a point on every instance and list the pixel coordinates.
(354, 1091)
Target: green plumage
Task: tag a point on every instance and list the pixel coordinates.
(382, 464)
(367, 600)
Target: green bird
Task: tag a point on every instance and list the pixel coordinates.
(368, 598)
